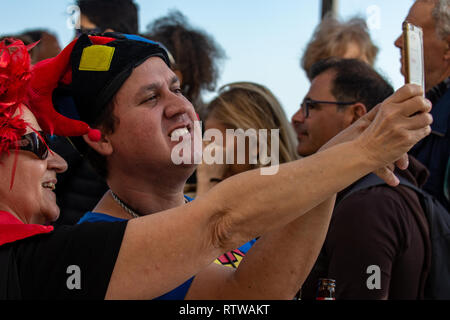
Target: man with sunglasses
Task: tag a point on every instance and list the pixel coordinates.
(377, 226)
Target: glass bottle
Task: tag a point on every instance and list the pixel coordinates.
(326, 289)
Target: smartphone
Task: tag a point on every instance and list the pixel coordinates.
(413, 54)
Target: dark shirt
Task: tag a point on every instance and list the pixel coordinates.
(79, 188)
(42, 263)
(434, 150)
(375, 227)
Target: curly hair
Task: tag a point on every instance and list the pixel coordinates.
(196, 54)
(441, 14)
(331, 38)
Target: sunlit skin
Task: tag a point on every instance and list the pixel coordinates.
(149, 107)
(324, 121)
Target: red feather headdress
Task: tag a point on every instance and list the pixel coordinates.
(15, 77)
(20, 84)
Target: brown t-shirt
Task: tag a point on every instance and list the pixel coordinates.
(375, 228)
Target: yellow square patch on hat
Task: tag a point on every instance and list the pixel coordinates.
(96, 58)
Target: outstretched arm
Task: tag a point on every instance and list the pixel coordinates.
(162, 250)
(279, 262)
(276, 265)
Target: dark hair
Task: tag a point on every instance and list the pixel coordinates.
(355, 80)
(107, 122)
(118, 15)
(195, 52)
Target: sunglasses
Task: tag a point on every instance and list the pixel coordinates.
(36, 143)
(308, 104)
(91, 31)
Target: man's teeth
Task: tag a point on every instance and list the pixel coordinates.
(176, 134)
(49, 185)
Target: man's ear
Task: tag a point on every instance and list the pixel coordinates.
(103, 146)
(356, 111)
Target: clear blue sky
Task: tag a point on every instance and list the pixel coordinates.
(263, 39)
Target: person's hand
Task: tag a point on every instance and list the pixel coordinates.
(403, 115)
(396, 125)
(387, 172)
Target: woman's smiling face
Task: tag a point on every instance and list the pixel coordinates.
(31, 198)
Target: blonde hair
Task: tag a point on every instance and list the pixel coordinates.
(331, 39)
(247, 105)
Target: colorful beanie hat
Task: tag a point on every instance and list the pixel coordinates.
(77, 84)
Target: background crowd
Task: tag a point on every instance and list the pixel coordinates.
(378, 223)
